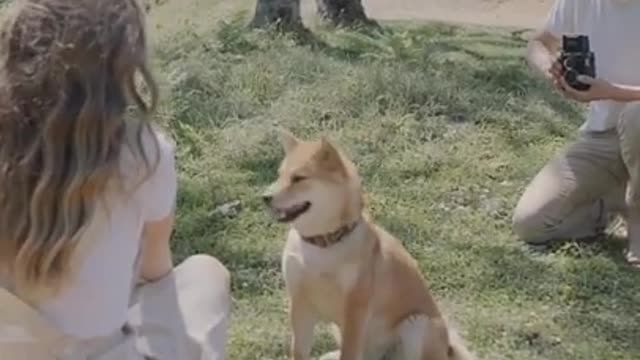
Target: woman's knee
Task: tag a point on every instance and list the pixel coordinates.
(207, 264)
(205, 303)
(208, 273)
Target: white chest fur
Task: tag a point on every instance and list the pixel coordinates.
(323, 275)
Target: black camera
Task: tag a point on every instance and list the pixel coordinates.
(576, 59)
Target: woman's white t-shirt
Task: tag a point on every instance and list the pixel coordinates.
(96, 302)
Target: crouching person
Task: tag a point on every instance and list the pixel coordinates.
(87, 191)
(599, 173)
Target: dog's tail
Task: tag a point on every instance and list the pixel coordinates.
(458, 350)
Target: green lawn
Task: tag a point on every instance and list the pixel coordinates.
(446, 126)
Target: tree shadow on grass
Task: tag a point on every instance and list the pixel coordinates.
(406, 45)
(468, 61)
(498, 41)
(472, 66)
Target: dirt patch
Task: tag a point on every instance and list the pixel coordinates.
(171, 16)
(510, 13)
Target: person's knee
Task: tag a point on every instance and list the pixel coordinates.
(629, 132)
(211, 271)
(526, 225)
(629, 122)
(205, 300)
(209, 265)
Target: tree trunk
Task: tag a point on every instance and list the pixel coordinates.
(283, 14)
(344, 12)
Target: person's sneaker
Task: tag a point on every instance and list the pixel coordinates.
(632, 254)
(632, 259)
(334, 355)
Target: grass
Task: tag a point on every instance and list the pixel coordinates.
(446, 126)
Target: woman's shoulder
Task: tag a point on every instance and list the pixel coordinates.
(157, 144)
(158, 191)
(147, 153)
(147, 143)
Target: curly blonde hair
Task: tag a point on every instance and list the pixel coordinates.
(68, 72)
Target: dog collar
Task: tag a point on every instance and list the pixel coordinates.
(332, 238)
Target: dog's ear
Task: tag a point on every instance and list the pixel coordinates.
(288, 140)
(329, 156)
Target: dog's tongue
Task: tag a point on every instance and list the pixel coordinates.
(284, 213)
(281, 214)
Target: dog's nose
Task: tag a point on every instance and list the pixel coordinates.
(267, 199)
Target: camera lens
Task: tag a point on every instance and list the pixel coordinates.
(570, 62)
(571, 77)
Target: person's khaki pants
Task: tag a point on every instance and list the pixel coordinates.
(570, 196)
(183, 316)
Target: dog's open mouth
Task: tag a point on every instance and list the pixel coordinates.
(292, 213)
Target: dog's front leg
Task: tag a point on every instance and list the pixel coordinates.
(303, 321)
(353, 331)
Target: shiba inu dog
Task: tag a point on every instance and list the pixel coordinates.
(340, 267)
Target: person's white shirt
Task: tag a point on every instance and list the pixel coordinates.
(613, 27)
(96, 302)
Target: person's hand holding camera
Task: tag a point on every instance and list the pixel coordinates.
(573, 73)
(554, 74)
(599, 89)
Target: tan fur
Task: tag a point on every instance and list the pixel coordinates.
(368, 285)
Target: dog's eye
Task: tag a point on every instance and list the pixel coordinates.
(297, 179)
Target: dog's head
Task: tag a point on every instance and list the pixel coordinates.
(317, 188)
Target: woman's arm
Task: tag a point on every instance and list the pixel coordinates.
(158, 204)
(156, 258)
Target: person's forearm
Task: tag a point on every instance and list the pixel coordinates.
(624, 93)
